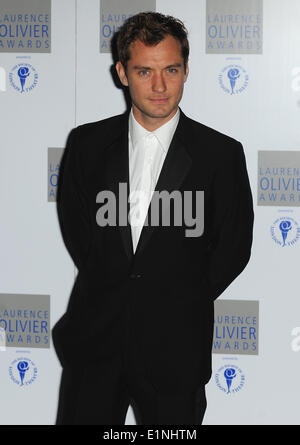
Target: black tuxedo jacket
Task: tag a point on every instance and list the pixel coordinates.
(163, 294)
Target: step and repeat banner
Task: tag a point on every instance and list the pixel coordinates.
(244, 81)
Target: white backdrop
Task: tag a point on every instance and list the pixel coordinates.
(74, 87)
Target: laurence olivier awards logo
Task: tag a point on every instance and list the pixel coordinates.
(113, 14)
(25, 27)
(230, 379)
(236, 327)
(22, 371)
(285, 231)
(278, 181)
(23, 78)
(234, 26)
(54, 159)
(25, 320)
(233, 79)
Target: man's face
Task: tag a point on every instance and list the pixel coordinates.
(155, 76)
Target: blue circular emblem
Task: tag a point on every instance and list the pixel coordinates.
(285, 231)
(233, 79)
(230, 379)
(23, 78)
(22, 371)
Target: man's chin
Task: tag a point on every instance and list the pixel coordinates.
(159, 112)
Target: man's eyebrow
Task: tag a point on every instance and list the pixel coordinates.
(174, 65)
(141, 67)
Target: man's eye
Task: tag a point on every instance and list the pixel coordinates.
(143, 73)
(172, 70)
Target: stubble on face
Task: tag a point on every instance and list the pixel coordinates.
(155, 76)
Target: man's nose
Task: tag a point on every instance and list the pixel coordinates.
(159, 84)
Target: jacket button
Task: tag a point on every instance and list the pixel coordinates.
(134, 276)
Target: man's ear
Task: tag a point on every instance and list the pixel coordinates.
(121, 73)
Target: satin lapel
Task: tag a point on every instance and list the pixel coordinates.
(175, 168)
(117, 176)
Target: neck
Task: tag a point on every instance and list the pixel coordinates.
(151, 123)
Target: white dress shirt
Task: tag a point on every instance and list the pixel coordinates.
(147, 152)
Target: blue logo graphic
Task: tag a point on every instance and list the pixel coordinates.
(23, 371)
(285, 226)
(233, 74)
(23, 73)
(233, 79)
(230, 379)
(229, 374)
(285, 231)
(22, 367)
(23, 78)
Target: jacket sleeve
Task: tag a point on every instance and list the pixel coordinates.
(231, 221)
(72, 203)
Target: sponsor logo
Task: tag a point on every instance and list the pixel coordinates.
(233, 79)
(230, 379)
(22, 371)
(23, 78)
(285, 231)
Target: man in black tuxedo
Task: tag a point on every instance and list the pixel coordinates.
(139, 323)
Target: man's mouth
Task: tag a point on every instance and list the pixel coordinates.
(159, 100)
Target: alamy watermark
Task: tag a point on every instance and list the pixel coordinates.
(182, 203)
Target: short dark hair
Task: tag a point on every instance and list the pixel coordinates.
(151, 28)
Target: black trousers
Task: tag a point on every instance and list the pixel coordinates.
(101, 394)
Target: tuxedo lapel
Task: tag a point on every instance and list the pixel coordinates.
(175, 168)
(117, 172)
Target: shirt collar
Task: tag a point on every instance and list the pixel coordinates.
(164, 133)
